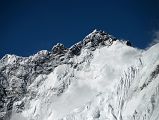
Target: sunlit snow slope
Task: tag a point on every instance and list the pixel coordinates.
(100, 78)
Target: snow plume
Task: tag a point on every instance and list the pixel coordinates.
(155, 39)
(106, 67)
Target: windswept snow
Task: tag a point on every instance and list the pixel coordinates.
(97, 72)
(100, 78)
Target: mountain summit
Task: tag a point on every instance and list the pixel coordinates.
(98, 78)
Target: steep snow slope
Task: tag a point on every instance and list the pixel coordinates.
(135, 96)
(97, 72)
(18, 73)
(100, 78)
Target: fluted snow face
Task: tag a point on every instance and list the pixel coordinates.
(134, 96)
(100, 78)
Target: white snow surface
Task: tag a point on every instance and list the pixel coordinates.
(111, 83)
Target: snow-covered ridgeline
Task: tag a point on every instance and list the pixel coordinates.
(92, 73)
(99, 78)
(18, 73)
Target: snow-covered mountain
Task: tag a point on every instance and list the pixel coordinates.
(99, 78)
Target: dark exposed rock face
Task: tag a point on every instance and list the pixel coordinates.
(17, 73)
(155, 73)
(59, 49)
(128, 43)
(93, 41)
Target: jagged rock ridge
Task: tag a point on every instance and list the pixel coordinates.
(17, 73)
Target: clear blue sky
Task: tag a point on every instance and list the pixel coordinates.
(27, 26)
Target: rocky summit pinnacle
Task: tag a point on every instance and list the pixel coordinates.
(98, 78)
